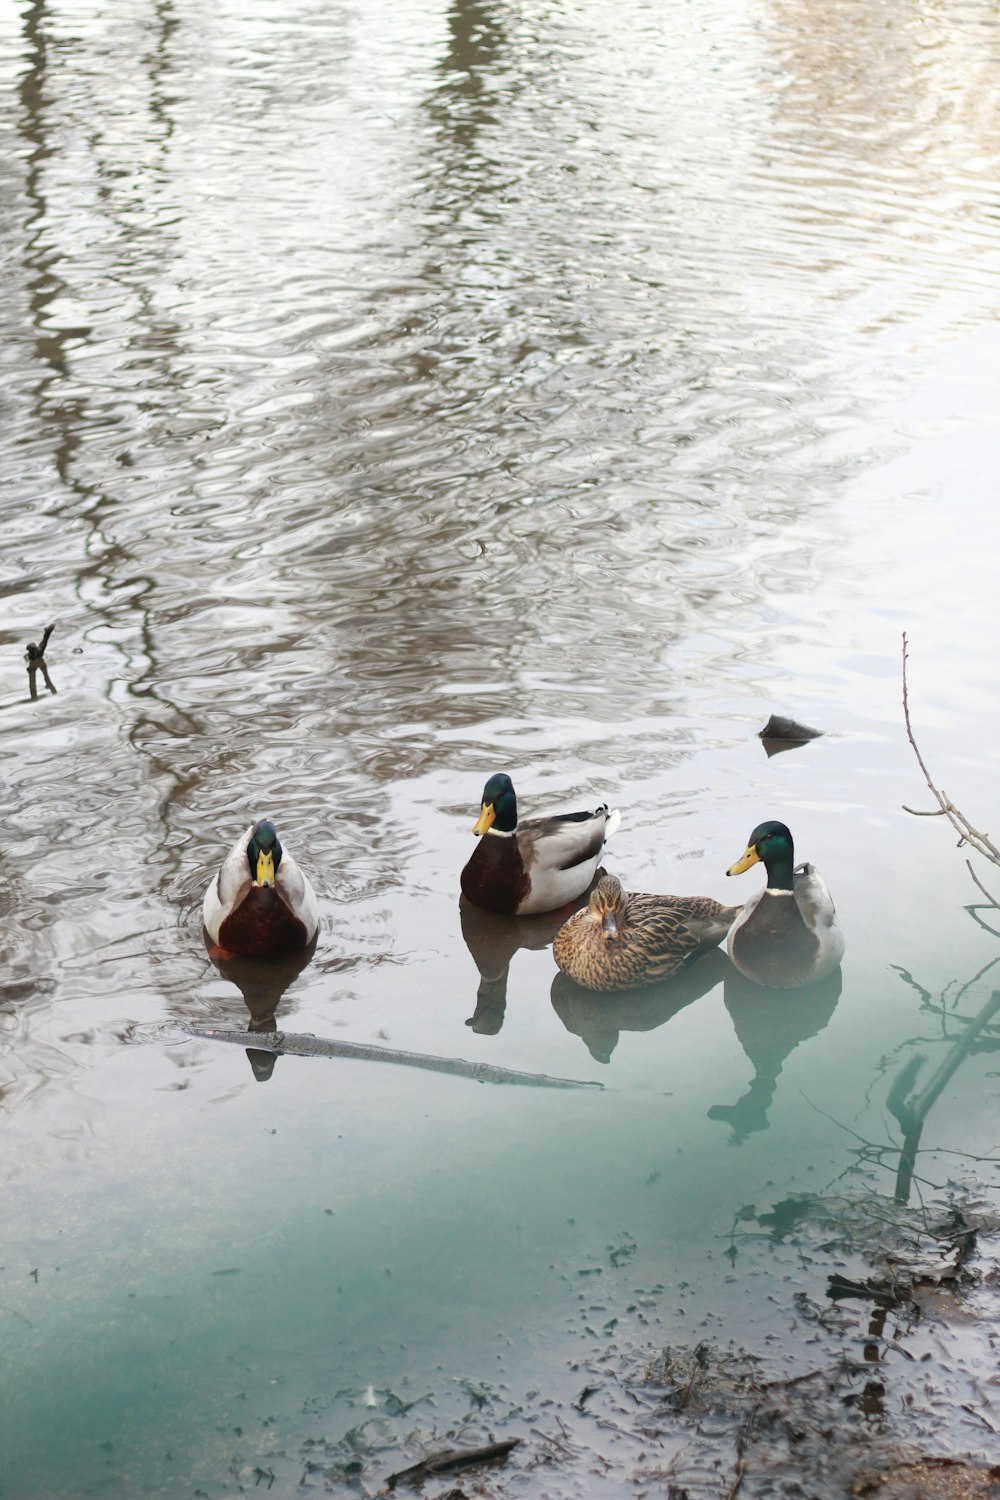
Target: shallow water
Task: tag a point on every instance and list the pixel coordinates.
(390, 397)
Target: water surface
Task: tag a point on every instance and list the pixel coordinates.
(394, 396)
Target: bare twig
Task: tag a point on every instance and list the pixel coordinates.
(560, 1447)
(981, 842)
(976, 881)
(782, 1385)
(742, 1443)
(978, 1415)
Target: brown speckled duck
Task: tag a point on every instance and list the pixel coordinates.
(520, 869)
(623, 939)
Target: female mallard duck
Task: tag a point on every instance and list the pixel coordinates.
(788, 934)
(622, 939)
(260, 904)
(520, 869)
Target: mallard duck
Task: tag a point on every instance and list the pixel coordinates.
(787, 935)
(520, 869)
(622, 939)
(260, 904)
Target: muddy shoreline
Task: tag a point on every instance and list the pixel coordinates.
(883, 1382)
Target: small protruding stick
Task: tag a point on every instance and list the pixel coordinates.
(35, 657)
(35, 653)
(981, 842)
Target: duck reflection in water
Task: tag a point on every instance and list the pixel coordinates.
(262, 982)
(493, 941)
(599, 1018)
(769, 1025)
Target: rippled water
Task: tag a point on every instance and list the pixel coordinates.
(395, 395)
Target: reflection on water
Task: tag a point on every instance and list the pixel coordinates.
(599, 1019)
(770, 1024)
(262, 983)
(493, 941)
(967, 1034)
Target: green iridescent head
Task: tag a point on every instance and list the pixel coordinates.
(771, 845)
(264, 853)
(499, 808)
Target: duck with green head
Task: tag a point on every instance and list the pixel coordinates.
(522, 868)
(787, 935)
(260, 904)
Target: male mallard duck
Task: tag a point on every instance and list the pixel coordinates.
(788, 934)
(520, 869)
(260, 904)
(622, 939)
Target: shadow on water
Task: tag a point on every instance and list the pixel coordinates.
(769, 1025)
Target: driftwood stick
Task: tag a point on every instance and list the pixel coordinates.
(981, 842)
(302, 1045)
(451, 1458)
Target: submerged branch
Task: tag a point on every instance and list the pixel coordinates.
(981, 842)
(293, 1045)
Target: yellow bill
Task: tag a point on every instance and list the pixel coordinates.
(265, 868)
(486, 819)
(751, 857)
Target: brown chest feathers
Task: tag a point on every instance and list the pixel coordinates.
(495, 877)
(262, 926)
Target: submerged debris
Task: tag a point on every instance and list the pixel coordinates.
(452, 1458)
(881, 1383)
